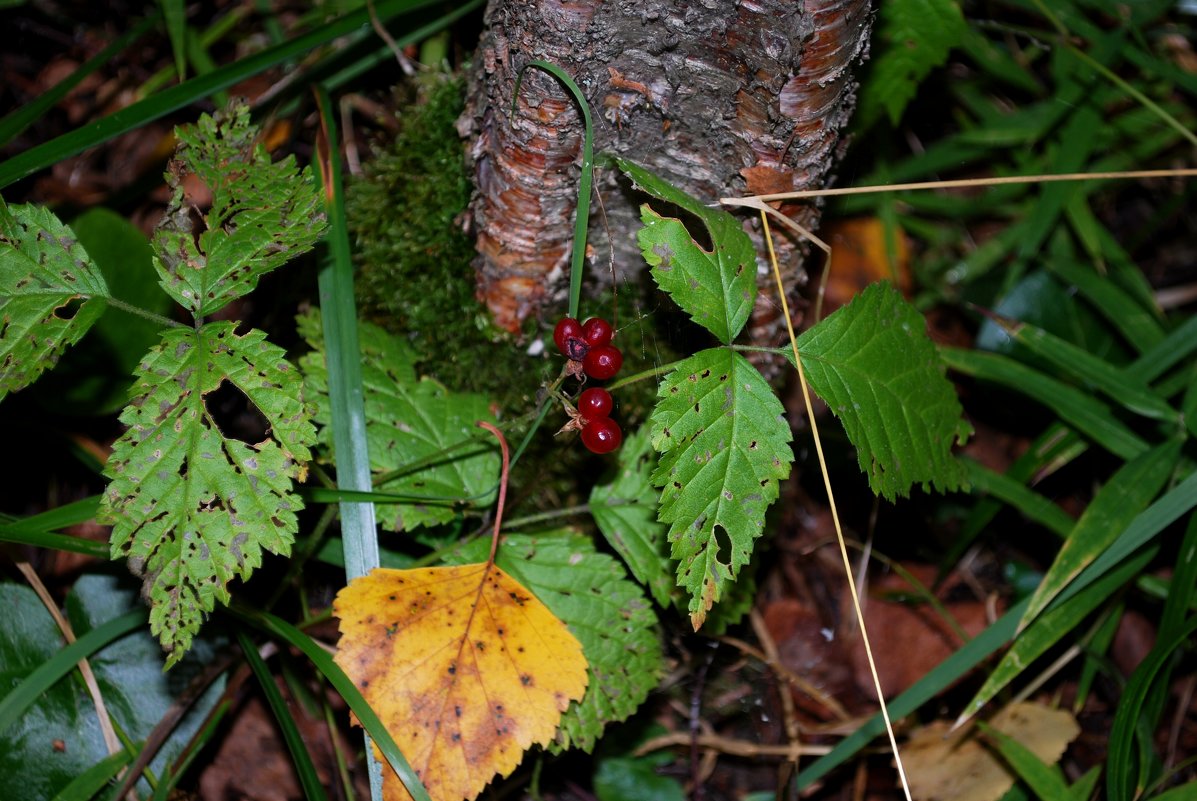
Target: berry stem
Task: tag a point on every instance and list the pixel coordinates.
(503, 476)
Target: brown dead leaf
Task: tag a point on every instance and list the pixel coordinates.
(859, 258)
(465, 666)
(956, 766)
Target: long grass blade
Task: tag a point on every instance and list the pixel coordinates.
(284, 631)
(1045, 781)
(91, 781)
(300, 758)
(185, 94)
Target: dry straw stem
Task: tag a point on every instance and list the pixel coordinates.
(835, 517)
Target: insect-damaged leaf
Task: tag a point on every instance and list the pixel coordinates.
(716, 287)
(263, 214)
(43, 271)
(190, 507)
(465, 666)
(724, 445)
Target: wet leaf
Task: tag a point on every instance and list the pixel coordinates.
(466, 667)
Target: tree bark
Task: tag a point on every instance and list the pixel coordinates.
(720, 98)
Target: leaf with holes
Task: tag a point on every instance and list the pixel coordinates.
(262, 214)
(625, 511)
(50, 293)
(465, 666)
(609, 615)
(879, 373)
(716, 287)
(724, 445)
(192, 508)
(410, 420)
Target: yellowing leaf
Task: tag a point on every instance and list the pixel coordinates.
(466, 668)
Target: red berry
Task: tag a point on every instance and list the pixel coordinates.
(602, 435)
(602, 362)
(597, 331)
(595, 403)
(568, 329)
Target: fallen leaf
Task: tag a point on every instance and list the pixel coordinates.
(859, 258)
(466, 667)
(941, 764)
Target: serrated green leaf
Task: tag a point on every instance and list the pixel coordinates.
(263, 214)
(625, 511)
(410, 421)
(717, 287)
(609, 615)
(192, 508)
(43, 271)
(724, 445)
(917, 36)
(875, 367)
(1128, 492)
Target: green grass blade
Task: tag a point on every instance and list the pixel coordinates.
(39, 530)
(1087, 415)
(184, 94)
(1185, 792)
(16, 121)
(1096, 372)
(1124, 496)
(1125, 775)
(1049, 627)
(92, 780)
(341, 350)
(1082, 789)
(1161, 514)
(44, 677)
(339, 316)
(344, 685)
(1140, 327)
(301, 759)
(1032, 505)
(174, 12)
(1045, 781)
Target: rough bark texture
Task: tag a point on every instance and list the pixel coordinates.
(720, 98)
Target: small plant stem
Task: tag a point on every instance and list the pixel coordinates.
(494, 540)
(835, 517)
(137, 311)
(552, 514)
(660, 369)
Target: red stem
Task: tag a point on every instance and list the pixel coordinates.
(494, 540)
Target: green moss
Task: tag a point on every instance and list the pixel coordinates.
(415, 275)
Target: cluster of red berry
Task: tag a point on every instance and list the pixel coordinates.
(589, 349)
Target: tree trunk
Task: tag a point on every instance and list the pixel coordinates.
(720, 98)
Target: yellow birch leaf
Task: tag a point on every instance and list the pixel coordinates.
(466, 667)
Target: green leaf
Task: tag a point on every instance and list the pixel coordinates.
(636, 779)
(1128, 492)
(192, 508)
(917, 35)
(873, 364)
(50, 293)
(717, 287)
(263, 214)
(724, 445)
(175, 14)
(410, 423)
(1031, 504)
(625, 510)
(128, 667)
(609, 615)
